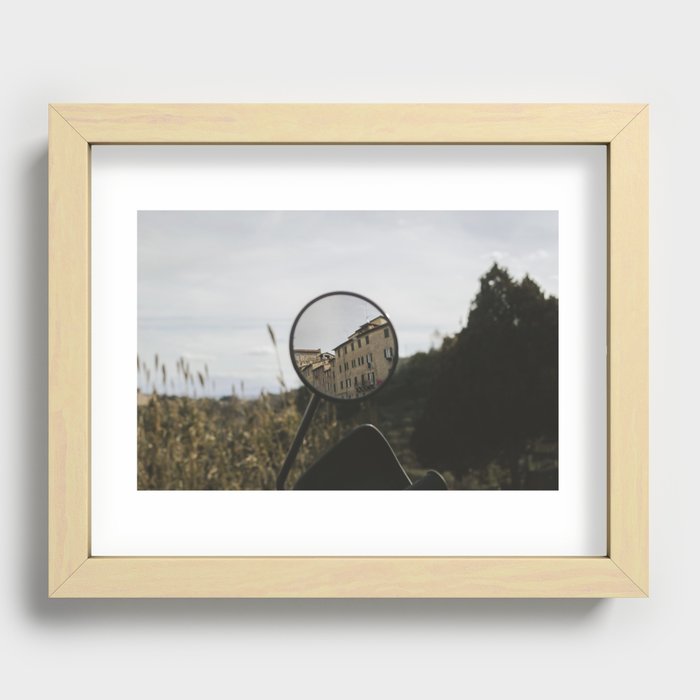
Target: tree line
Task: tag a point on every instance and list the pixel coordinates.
(494, 389)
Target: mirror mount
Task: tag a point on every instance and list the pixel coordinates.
(298, 439)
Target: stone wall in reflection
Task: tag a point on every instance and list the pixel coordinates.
(355, 367)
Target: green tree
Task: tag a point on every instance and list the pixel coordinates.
(497, 385)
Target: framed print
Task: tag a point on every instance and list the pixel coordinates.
(348, 350)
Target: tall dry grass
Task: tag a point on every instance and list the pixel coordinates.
(191, 442)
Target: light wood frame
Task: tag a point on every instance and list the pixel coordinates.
(73, 572)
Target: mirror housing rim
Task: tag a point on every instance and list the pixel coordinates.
(314, 391)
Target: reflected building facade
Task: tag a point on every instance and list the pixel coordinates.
(356, 366)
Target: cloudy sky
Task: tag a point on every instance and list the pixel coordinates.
(209, 282)
(331, 320)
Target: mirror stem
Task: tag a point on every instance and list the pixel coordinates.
(298, 439)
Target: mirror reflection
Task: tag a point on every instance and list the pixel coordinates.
(343, 346)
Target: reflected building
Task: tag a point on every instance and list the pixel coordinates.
(303, 356)
(356, 366)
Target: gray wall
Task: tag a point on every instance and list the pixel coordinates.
(363, 51)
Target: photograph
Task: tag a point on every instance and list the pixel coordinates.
(348, 350)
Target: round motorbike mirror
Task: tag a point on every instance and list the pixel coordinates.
(343, 346)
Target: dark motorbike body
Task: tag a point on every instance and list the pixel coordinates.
(363, 460)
